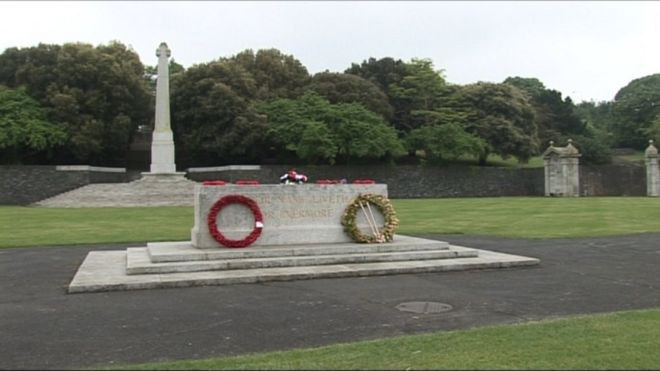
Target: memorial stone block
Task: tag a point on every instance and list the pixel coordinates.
(292, 214)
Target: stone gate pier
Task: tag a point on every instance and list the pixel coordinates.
(562, 170)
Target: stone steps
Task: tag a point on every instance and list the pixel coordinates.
(160, 252)
(135, 269)
(138, 262)
(144, 192)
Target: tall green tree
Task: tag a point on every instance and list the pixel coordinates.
(503, 117)
(347, 88)
(636, 106)
(387, 73)
(213, 119)
(422, 92)
(276, 75)
(340, 131)
(98, 95)
(445, 142)
(24, 130)
(555, 116)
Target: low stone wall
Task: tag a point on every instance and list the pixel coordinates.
(403, 181)
(612, 180)
(22, 185)
(410, 181)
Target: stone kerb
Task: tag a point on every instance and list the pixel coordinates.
(292, 214)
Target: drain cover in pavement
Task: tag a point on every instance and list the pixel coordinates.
(424, 307)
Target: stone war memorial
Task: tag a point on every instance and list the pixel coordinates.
(249, 232)
(257, 233)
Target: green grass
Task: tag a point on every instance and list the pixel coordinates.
(495, 160)
(624, 340)
(29, 226)
(530, 217)
(521, 217)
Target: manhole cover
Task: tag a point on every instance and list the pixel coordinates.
(424, 307)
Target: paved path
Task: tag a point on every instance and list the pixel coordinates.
(42, 327)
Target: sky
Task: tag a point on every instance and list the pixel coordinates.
(586, 50)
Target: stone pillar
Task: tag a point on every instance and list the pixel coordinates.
(571, 170)
(162, 145)
(652, 181)
(549, 168)
(561, 168)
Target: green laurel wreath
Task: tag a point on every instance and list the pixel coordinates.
(384, 206)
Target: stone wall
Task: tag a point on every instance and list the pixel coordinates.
(406, 181)
(612, 180)
(22, 185)
(410, 181)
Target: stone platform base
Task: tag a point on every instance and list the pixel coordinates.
(178, 264)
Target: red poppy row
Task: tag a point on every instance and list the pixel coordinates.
(256, 182)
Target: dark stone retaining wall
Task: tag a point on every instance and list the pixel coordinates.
(410, 181)
(613, 180)
(22, 185)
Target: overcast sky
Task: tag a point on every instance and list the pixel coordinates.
(587, 50)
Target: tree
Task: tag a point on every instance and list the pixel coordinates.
(24, 131)
(347, 88)
(635, 107)
(444, 142)
(383, 72)
(503, 117)
(212, 119)
(555, 116)
(386, 73)
(346, 130)
(98, 95)
(421, 91)
(417, 92)
(276, 75)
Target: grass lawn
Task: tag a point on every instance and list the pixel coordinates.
(530, 217)
(31, 226)
(624, 340)
(523, 217)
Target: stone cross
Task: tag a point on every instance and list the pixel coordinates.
(162, 142)
(163, 89)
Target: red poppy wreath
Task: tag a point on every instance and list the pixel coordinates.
(233, 199)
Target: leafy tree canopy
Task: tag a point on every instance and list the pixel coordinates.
(347, 88)
(275, 74)
(24, 130)
(501, 115)
(445, 142)
(383, 72)
(636, 107)
(98, 95)
(555, 116)
(345, 130)
(213, 119)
